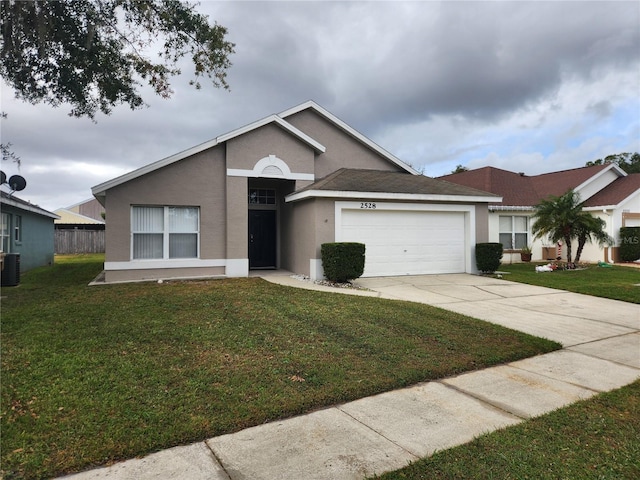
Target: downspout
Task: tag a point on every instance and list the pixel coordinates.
(607, 249)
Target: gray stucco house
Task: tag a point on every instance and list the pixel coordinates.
(269, 194)
(28, 230)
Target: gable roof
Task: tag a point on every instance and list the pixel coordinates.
(279, 120)
(348, 182)
(67, 216)
(349, 130)
(519, 190)
(616, 192)
(24, 205)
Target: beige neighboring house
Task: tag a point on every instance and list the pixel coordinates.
(88, 208)
(72, 220)
(607, 191)
(269, 194)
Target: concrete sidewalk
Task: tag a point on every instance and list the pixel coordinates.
(384, 432)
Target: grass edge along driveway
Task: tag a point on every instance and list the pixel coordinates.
(92, 375)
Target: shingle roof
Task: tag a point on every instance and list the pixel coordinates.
(24, 205)
(518, 189)
(357, 180)
(615, 192)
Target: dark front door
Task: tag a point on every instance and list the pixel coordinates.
(262, 239)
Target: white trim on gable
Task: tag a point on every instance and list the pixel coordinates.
(415, 197)
(351, 131)
(270, 167)
(99, 190)
(587, 183)
(317, 146)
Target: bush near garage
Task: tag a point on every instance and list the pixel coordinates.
(342, 261)
(488, 256)
(629, 244)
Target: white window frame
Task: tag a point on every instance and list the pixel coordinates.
(17, 229)
(5, 232)
(513, 231)
(165, 234)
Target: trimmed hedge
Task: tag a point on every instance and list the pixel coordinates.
(342, 261)
(488, 256)
(629, 244)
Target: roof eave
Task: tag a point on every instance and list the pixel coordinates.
(99, 190)
(612, 166)
(30, 208)
(307, 194)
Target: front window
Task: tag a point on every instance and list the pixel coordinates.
(165, 232)
(514, 232)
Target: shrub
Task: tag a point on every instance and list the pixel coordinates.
(629, 244)
(488, 256)
(342, 261)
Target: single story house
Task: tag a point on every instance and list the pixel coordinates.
(607, 191)
(88, 208)
(28, 230)
(269, 194)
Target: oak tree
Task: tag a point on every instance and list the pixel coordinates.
(96, 54)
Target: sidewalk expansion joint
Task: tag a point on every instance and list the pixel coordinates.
(217, 459)
(487, 401)
(416, 457)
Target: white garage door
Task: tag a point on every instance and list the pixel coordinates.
(407, 242)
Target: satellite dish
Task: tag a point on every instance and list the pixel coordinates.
(17, 183)
(3, 177)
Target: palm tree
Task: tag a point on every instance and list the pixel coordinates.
(555, 218)
(562, 218)
(590, 228)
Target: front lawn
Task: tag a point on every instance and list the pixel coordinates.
(617, 282)
(91, 375)
(592, 439)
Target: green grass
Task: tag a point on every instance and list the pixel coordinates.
(91, 375)
(597, 438)
(617, 282)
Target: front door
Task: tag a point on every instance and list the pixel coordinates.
(262, 239)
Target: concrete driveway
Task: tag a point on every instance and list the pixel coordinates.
(568, 318)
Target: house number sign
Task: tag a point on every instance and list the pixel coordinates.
(368, 205)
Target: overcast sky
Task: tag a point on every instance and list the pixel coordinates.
(524, 86)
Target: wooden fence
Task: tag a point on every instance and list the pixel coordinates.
(79, 241)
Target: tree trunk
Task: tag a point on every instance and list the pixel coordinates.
(581, 243)
(567, 241)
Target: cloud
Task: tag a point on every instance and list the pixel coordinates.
(531, 86)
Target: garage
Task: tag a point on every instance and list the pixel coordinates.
(406, 242)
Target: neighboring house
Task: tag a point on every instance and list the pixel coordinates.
(75, 233)
(269, 194)
(608, 192)
(28, 230)
(88, 208)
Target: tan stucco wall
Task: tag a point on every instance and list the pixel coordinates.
(237, 218)
(196, 181)
(482, 223)
(343, 151)
(243, 152)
